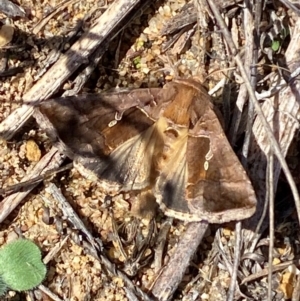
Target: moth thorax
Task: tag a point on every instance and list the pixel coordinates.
(174, 135)
(174, 140)
(171, 133)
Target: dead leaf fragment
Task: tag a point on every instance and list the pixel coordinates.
(33, 152)
(6, 35)
(286, 285)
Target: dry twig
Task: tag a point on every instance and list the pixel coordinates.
(50, 161)
(67, 64)
(170, 277)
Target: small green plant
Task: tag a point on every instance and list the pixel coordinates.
(278, 41)
(275, 45)
(21, 266)
(137, 62)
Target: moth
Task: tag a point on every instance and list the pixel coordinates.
(165, 139)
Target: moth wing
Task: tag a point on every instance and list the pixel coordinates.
(203, 179)
(173, 183)
(106, 134)
(227, 191)
(129, 166)
(170, 185)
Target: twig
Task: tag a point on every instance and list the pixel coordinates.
(275, 268)
(296, 291)
(46, 260)
(160, 243)
(168, 281)
(36, 180)
(253, 58)
(290, 5)
(236, 262)
(57, 9)
(55, 250)
(46, 291)
(72, 216)
(82, 78)
(67, 64)
(248, 60)
(270, 194)
(50, 161)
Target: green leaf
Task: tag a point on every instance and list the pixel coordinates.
(21, 266)
(275, 45)
(137, 62)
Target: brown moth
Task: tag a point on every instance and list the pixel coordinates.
(166, 139)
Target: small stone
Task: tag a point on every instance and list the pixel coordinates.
(33, 152)
(6, 35)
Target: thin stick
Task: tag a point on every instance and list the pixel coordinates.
(46, 291)
(236, 262)
(252, 59)
(35, 180)
(276, 268)
(270, 185)
(168, 281)
(71, 215)
(161, 243)
(57, 9)
(243, 93)
(290, 5)
(52, 160)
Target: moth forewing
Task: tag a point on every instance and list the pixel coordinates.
(170, 187)
(227, 192)
(119, 152)
(215, 185)
(130, 166)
